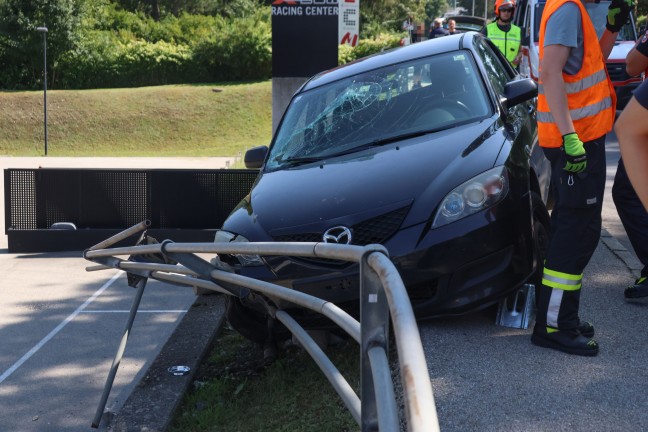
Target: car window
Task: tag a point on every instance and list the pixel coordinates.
(598, 15)
(497, 67)
(420, 96)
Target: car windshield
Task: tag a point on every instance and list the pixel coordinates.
(598, 14)
(380, 106)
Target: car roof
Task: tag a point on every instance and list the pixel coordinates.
(393, 56)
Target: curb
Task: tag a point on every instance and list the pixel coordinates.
(153, 402)
(628, 258)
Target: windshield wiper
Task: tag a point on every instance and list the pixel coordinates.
(300, 160)
(383, 141)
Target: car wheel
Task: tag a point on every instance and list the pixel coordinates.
(541, 227)
(249, 323)
(252, 324)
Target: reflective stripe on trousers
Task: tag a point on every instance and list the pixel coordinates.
(559, 283)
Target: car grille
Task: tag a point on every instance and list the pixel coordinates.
(423, 291)
(617, 71)
(375, 230)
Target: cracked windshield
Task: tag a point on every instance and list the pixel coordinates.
(378, 107)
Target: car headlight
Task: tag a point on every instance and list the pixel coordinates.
(478, 193)
(223, 236)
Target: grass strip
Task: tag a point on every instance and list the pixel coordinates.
(176, 120)
(234, 391)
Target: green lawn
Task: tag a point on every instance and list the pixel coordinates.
(177, 120)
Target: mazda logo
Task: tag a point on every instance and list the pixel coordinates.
(338, 234)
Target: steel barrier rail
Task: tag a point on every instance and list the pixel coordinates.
(382, 294)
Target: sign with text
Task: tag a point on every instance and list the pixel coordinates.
(304, 37)
(349, 22)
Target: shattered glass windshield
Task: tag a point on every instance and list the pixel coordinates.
(381, 106)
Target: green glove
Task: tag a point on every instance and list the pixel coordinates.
(574, 153)
(618, 13)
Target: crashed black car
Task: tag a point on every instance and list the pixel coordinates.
(430, 150)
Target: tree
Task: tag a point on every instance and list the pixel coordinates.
(22, 45)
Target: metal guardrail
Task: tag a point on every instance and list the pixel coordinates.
(382, 294)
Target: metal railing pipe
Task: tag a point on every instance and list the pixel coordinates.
(170, 268)
(384, 390)
(189, 281)
(127, 250)
(328, 309)
(341, 386)
(319, 250)
(122, 235)
(419, 400)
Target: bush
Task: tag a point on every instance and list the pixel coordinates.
(187, 49)
(366, 47)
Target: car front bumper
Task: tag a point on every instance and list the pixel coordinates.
(463, 266)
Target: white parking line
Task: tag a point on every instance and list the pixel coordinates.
(58, 328)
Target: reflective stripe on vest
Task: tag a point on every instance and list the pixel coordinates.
(585, 83)
(561, 281)
(579, 113)
(590, 96)
(504, 41)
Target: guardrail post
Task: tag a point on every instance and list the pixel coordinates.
(374, 325)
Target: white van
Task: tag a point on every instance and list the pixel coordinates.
(527, 17)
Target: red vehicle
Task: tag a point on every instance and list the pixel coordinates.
(527, 16)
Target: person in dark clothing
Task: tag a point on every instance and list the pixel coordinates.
(632, 213)
(437, 29)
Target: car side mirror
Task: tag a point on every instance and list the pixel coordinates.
(255, 156)
(518, 91)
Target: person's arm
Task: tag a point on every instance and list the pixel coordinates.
(607, 42)
(553, 62)
(632, 131)
(617, 16)
(637, 58)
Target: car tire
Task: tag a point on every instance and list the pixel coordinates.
(541, 228)
(251, 324)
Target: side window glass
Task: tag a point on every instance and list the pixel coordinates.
(497, 67)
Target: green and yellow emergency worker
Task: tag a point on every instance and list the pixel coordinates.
(506, 36)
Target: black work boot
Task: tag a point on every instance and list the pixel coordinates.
(569, 341)
(586, 329)
(638, 290)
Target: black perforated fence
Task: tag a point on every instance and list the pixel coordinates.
(184, 205)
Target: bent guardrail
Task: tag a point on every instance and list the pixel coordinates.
(382, 294)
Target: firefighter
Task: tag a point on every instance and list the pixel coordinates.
(576, 109)
(506, 36)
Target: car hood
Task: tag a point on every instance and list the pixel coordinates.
(418, 172)
(620, 51)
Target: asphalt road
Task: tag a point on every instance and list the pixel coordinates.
(60, 326)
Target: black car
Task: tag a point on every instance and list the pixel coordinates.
(430, 150)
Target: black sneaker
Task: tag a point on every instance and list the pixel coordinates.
(638, 290)
(586, 329)
(569, 341)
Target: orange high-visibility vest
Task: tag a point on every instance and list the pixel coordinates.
(590, 95)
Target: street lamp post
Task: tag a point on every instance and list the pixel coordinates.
(44, 31)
